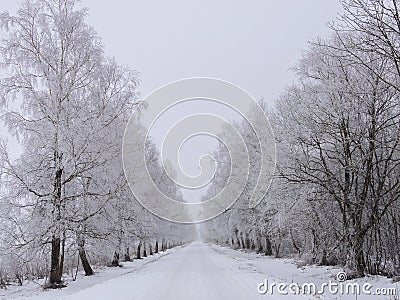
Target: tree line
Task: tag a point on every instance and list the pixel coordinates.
(335, 196)
(66, 196)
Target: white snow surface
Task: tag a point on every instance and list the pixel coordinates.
(196, 271)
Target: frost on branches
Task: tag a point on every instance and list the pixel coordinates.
(67, 103)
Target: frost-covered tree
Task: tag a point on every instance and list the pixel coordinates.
(338, 130)
(73, 104)
(335, 196)
(342, 126)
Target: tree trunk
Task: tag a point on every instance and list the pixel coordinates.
(127, 256)
(156, 250)
(268, 246)
(248, 245)
(61, 268)
(82, 255)
(324, 260)
(55, 272)
(259, 246)
(295, 246)
(277, 249)
(55, 277)
(355, 264)
(115, 261)
(144, 250)
(138, 255)
(253, 245)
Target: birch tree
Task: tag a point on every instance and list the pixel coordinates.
(73, 101)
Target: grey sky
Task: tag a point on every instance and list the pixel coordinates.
(249, 43)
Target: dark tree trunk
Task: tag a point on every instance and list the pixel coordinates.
(55, 272)
(277, 249)
(247, 242)
(115, 261)
(138, 254)
(295, 246)
(144, 250)
(268, 246)
(85, 262)
(55, 277)
(324, 260)
(253, 245)
(259, 246)
(355, 262)
(127, 256)
(150, 249)
(156, 250)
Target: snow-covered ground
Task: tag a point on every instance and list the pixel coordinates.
(285, 271)
(199, 271)
(33, 290)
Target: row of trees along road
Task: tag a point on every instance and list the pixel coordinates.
(67, 104)
(335, 198)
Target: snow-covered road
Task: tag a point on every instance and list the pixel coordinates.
(195, 272)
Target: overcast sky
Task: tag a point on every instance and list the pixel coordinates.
(252, 44)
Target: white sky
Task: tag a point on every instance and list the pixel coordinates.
(249, 43)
